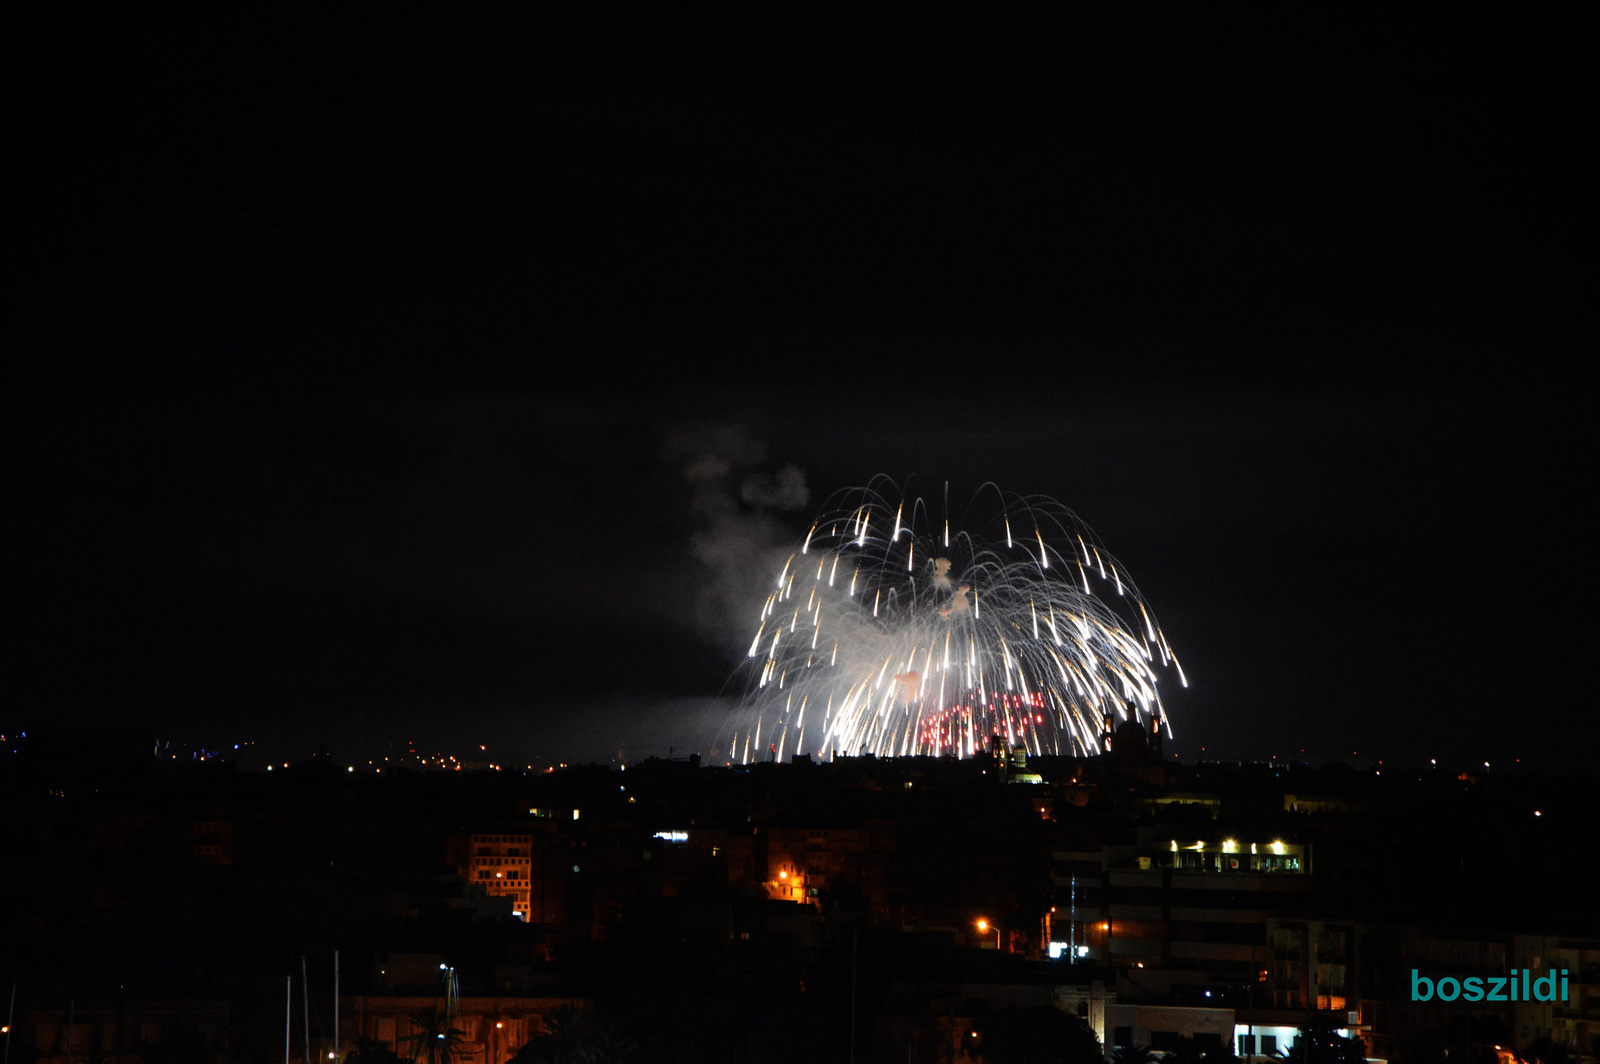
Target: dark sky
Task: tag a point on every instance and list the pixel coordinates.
(357, 362)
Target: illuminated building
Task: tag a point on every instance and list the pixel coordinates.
(503, 865)
(492, 1028)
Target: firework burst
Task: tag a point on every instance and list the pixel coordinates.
(890, 632)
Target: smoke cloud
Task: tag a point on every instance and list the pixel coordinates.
(740, 543)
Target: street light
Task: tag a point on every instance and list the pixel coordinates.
(983, 929)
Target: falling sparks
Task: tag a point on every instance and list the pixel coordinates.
(923, 670)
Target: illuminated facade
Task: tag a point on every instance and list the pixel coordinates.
(503, 866)
(802, 862)
(492, 1029)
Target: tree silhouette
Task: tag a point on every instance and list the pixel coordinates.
(573, 1036)
(1317, 1043)
(373, 1051)
(435, 1041)
(1039, 1035)
(1185, 1050)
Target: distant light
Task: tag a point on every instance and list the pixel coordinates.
(442, 967)
(499, 1025)
(983, 925)
(352, 768)
(1537, 813)
(1208, 993)
(1083, 951)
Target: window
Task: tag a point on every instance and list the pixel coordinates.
(1247, 1045)
(1122, 1038)
(1269, 1045)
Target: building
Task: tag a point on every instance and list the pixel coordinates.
(492, 1029)
(504, 866)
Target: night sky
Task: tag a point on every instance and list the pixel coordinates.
(356, 363)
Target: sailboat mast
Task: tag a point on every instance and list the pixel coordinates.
(11, 1020)
(305, 1008)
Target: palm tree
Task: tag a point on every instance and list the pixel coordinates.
(373, 1051)
(435, 1042)
(572, 1036)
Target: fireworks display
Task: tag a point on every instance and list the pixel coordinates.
(891, 632)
